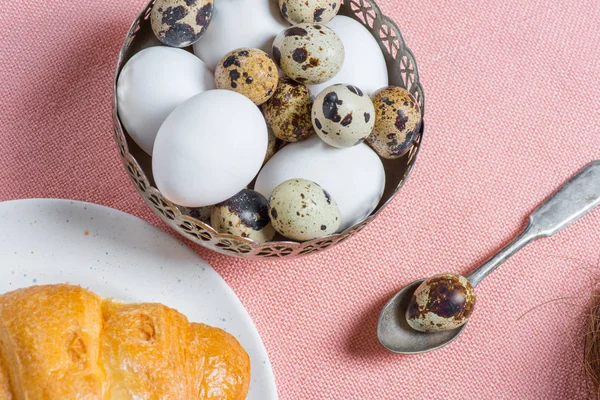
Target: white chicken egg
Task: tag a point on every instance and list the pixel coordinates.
(209, 148)
(152, 84)
(240, 23)
(354, 176)
(364, 65)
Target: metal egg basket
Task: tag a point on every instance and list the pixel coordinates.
(403, 72)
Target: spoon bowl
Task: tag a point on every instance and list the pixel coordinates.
(396, 335)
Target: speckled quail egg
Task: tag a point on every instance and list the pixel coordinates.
(309, 53)
(343, 115)
(249, 72)
(246, 215)
(302, 210)
(299, 11)
(288, 112)
(180, 23)
(397, 122)
(364, 62)
(441, 303)
(200, 213)
(272, 146)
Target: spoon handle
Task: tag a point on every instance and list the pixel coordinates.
(572, 201)
(576, 198)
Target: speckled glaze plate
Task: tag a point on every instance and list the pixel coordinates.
(118, 255)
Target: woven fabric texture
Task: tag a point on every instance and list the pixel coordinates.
(513, 91)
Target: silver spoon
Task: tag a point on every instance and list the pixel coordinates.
(573, 200)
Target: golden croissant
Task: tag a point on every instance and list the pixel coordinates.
(63, 342)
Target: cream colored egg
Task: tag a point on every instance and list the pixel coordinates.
(354, 176)
(239, 23)
(343, 116)
(364, 64)
(319, 11)
(209, 148)
(302, 210)
(152, 84)
(308, 53)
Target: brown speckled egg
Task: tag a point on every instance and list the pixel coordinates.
(288, 112)
(309, 53)
(245, 215)
(441, 303)
(299, 11)
(343, 115)
(249, 72)
(397, 122)
(200, 213)
(180, 23)
(302, 210)
(273, 146)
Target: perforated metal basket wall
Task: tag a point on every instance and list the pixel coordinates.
(403, 72)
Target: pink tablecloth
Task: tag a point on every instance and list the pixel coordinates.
(513, 91)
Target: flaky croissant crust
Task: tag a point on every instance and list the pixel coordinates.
(63, 342)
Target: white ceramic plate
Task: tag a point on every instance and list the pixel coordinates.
(118, 255)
